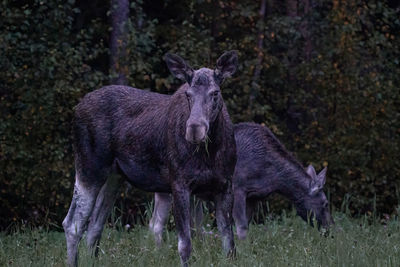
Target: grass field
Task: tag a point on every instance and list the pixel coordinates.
(287, 241)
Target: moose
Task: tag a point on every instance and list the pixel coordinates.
(263, 167)
(158, 143)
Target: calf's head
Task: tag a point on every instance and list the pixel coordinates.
(315, 203)
(203, 93)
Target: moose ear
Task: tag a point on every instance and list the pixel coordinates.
(178, 67)
(317, 183)
(226, 65)
(322, 175)
(311, 171)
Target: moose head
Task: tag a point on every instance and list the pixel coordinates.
(203, 93)
(315, 202)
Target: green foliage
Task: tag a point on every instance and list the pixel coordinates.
(44, 71)
(350, 89)
(335, 104)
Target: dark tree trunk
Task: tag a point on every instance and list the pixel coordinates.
(305, 31)
(291, 11)
(260, 40)
(292, 113)
(119, 19)
(269, 8)
(291, 8)
(213, 28)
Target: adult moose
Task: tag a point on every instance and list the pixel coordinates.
(156, 142)
(263, 167)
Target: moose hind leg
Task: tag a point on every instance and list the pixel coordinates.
(75, 222)
(239, 214)
(104, 203)
(224, 203)
(162, 206)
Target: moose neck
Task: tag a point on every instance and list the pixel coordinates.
(294, 183)
(216, 130)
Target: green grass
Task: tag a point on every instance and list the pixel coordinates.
(285, 242)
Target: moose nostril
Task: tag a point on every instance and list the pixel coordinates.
(198, 124)
(196, 131)
(195, 125)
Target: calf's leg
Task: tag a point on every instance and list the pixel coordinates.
(197, 215)
(162, 206)
(75, 222)
(104, 203)
(250, 208)
(181, 198)
(239, 214)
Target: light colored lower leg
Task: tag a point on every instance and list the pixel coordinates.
(184, 248)
(162, 207)
(223, 210)
(75, 222)
(181, 198)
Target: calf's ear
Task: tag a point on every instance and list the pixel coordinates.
(178, 67)
(322, 175)
(317, 182)
(311, 171)
(226, 65)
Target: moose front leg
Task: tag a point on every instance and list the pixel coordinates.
(224, 203)
(181, 198)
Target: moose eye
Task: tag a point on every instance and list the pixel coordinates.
(214, 95)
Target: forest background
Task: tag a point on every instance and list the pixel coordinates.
(323, 75)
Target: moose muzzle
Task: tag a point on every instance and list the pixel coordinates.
(196, 131)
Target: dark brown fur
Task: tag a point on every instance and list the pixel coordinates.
(143, 136)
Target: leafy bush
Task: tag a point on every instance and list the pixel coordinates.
(336, 104)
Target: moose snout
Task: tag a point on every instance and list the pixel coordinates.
(196, 131)
(326, 221)
(329, 221)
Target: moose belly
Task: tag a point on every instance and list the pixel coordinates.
(208, 183)
(143, 176)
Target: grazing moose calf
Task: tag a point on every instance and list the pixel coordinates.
(157, 143)
(263, 167)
